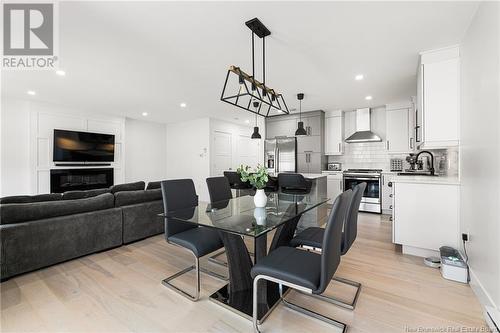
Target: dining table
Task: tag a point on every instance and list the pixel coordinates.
(237, 219)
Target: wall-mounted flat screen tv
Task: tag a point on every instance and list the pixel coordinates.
(73, 146)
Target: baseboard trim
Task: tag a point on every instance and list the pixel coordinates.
(484, 297)
(491, 312)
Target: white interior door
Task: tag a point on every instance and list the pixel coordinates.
(222, 153)
(248, 152)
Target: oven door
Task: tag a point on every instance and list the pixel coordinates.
(371, 201)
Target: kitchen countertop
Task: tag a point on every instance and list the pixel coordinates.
(449, 180)
(307, 175)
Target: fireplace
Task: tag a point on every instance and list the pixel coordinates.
(62, 180)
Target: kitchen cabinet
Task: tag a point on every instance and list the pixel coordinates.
(309, 144)
(398, 133)
(387, 193)
(438, 98)
(334, 133)
(312, 125)
(426, 216)
(309, 162)
(333, 186)
(282, 127)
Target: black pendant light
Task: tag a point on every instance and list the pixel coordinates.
(255, 134)
(300, 128)
(249, 89)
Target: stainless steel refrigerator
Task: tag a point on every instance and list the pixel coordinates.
(280, 155)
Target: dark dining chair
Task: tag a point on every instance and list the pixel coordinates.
(237, 184)
(305, 271)
(313, 237)
(294, 183)
(219, 191)
(180, 196)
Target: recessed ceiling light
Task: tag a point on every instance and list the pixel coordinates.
(60, 72)
(183, 105)
(368, 98)
(247, 121)
(359, 77)
(31, 92)
(145, 114)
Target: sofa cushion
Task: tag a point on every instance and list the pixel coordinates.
(73, 195)
(134, 197)
(15, 213)
(30, 198)
(153, 185)
(128, 187)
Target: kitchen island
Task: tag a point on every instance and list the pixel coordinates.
(317, 216)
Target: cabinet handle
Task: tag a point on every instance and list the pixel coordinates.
(340, 186)
(390, 207)
(308, 130)
(390, 218)
(390, 195)
(387, 144)
(383, 180)
(411, 143)
(340, 147)
(389, 184)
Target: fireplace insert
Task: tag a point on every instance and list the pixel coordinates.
(62, 180)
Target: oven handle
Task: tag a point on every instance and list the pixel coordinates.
(358, 178)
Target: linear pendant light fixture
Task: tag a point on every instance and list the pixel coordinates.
(242, 90)
(300, 128)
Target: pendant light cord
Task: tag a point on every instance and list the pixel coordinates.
(253, 57)
(300, 110)
(264, 61)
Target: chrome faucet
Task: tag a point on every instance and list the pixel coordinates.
(431, 169)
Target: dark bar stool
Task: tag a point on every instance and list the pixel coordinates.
(237, 184)
(294, 183)
(272, 185)
(305, 271)
(313, 237)
(179, 195)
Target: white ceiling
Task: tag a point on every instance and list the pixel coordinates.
(126, 58)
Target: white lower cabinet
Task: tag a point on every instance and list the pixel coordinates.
(426, 216)
(333, 187)
(387, 193)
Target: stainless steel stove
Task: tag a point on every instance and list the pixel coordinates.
(372, 197)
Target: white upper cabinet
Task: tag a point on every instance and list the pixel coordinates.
(439, 98)
(398, 135)
(334, 133)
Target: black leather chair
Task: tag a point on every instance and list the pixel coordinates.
(180, 195)
(219, 189)
(294, 183)
(235, 182)
(305, 271)
(271, 185)
(313, 237)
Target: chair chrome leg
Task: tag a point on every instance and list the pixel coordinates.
(166, 282)
(213, 258)
(290, 305)
(337, 301)
(215, 275)
(311, 313)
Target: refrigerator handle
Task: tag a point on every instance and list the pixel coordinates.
(277, 158)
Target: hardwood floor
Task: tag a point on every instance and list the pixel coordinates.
(120, 291)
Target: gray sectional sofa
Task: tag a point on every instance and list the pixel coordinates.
(42, 230)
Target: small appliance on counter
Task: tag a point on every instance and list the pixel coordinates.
(396, 164)
(334, 166)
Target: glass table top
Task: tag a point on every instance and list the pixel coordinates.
(240, 216)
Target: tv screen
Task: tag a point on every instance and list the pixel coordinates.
(73, 146)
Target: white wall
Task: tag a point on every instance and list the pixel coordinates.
(145, 151)
(480, 145)
(15, 148)
(188, 145)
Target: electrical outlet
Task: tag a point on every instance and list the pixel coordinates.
(465, 237)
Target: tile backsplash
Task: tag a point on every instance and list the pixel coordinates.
(373, 155)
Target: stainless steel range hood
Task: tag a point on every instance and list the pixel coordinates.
(363, 132)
